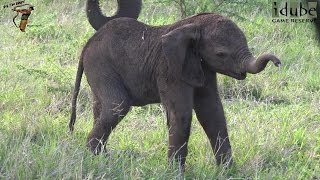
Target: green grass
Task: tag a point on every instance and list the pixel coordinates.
(273, 117)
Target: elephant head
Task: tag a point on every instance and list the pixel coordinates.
(217, 44)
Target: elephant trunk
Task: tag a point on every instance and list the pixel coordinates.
(126, 8)
(95, 17)
(255, 66)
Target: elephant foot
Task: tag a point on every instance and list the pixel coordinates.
(176, 164)
(96, 146)
(225, 159)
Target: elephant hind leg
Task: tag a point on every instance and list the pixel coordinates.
(96, 108)
(114, 103)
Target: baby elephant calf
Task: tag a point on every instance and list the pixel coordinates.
(128, 63)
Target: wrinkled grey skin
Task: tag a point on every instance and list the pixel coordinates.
(128, 63)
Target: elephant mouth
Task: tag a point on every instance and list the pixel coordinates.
(238, 76)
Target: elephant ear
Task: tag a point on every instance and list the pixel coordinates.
(180, 49)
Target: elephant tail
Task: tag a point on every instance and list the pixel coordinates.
(126, 8)
(75, 95)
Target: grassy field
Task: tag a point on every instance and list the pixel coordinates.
(273, 117)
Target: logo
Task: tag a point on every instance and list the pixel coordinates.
(13, 4)
(22, 8)
(294, 11)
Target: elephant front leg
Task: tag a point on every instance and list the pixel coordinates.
(209, 111)
(178, 103)
(179, 124)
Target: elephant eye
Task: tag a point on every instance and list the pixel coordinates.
(221, 54)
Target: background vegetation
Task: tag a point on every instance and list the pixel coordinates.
(273, 117)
